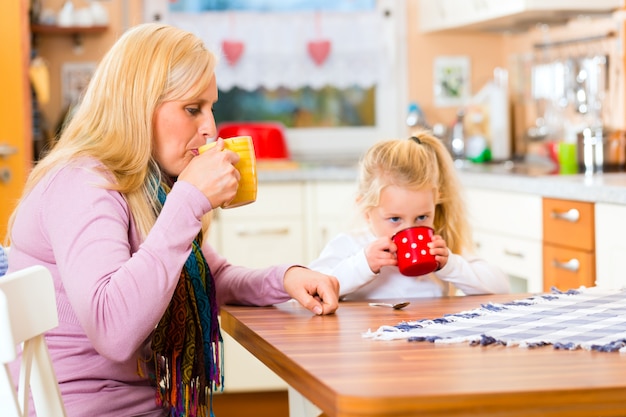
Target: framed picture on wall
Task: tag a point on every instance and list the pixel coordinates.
(451, 80)
(74, 78)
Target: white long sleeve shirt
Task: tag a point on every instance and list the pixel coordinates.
(344, 257)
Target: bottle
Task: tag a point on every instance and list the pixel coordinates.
(415, 117)
(457, 141)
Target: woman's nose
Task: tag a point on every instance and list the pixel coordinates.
(207, 127)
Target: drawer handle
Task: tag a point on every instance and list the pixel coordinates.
(571, 215)
(572, 265)
(514, 254)
(263, 232)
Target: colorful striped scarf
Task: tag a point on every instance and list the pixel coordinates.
(187, 344)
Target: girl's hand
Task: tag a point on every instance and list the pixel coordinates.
(213, 172)
(439, 248)
(381, 252)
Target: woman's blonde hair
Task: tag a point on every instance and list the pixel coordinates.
(150, 64)
(421, 162)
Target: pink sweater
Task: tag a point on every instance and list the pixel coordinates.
(111, 287)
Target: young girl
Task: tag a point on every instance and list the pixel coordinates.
(405, 183)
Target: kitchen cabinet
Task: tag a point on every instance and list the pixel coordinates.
(569, 244)
(509, 15)
(333, 210)
(269, 231)
(508, 232)
(289, 223)
(610, 242)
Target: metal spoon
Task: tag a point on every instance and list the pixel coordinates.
(396, 306)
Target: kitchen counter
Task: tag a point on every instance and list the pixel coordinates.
(270, 171)
(597, 188)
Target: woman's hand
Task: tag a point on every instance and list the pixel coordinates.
(317, 292)
(213, 172)
(439, 248)
(381, 252)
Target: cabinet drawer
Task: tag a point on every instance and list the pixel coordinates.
(273, 201)
(568, 223)
(505, 213)
(336, 198)
(567, 268)
(260, 244)
(520, 259)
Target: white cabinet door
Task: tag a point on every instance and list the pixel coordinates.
(508, 233)
(520, 259)
(610, 245)
(263, 242)
(244, 372)
(505, 213)
(269, 231)
(332, 211)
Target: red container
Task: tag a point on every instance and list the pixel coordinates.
(413, 253)
(268, 138)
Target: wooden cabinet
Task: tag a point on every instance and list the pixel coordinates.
(569, 244)
(508, 233)
(610, 241)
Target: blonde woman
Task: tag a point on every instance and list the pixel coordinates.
(405, 183)
(115, 212)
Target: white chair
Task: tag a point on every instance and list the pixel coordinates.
(27, 310)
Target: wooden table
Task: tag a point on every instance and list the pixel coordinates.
(326, 360)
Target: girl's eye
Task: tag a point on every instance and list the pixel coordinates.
(394, 219)
(421, 218)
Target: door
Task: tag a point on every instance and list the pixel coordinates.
(15, 106)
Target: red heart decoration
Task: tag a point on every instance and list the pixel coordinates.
(232, 51)
(319, 50)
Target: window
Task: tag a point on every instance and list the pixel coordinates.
(332, 71)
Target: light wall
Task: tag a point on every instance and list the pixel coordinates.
(58, 49)
(486, 52)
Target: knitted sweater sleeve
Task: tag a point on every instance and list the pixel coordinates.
(117, 285)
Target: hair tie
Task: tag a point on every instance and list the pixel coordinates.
(416, 139)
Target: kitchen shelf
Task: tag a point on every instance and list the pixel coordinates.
(67, 30)
(76, 32)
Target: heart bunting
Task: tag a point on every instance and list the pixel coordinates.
(232, 51)
(319, 50)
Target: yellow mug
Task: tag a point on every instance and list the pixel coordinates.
(242, 145)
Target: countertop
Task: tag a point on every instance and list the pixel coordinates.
(597, 188)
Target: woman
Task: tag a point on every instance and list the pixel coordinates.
(115, 212)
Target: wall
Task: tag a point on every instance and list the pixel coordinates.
(58, 49)
(486, 52)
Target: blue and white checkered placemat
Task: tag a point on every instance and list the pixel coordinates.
(590, 318)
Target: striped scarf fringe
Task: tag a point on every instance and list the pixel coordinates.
(187, 344)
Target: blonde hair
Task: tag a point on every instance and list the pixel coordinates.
(150, 64)
(419, 163)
